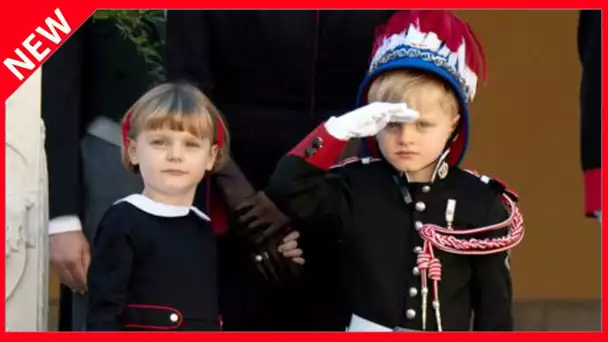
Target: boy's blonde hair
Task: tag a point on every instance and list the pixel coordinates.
(176, 106)
(410, 86)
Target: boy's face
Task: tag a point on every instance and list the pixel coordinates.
(172, 163)
(414, 147)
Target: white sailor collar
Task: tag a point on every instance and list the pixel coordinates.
(152, 207)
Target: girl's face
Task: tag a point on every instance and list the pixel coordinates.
(172, 163)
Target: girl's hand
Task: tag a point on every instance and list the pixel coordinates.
(289, 248)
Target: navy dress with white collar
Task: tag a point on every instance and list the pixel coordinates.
(153, 267)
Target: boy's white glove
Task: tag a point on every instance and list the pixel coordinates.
(369, 120)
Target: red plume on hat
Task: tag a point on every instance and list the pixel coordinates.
(436, 31)
(436, 41)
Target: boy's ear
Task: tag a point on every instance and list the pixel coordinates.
(455, 121)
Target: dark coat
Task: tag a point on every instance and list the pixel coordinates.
(590, 54)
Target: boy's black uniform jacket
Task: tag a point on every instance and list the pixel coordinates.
(363, 205)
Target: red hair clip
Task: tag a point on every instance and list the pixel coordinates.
(219, 128)
(126, 125)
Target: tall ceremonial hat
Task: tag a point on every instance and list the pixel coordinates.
(438, 42)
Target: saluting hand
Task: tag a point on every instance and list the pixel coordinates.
(369, 120)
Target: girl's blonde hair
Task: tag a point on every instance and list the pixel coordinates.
(176, 106)
(410, 86)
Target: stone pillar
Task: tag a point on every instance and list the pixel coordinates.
(26, 228)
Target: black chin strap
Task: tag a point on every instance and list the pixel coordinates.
(442, 157)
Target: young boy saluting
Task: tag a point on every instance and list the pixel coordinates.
(425, 242)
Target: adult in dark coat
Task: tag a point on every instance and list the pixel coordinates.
(590, 54)
(87, 86)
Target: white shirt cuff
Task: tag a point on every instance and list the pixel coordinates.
(64, 224)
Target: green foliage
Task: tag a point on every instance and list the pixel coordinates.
(137, 26)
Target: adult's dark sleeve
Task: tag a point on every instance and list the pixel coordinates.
(64, 116)
(590, 53)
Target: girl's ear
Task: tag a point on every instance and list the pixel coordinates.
(132, 151)
(213, 153)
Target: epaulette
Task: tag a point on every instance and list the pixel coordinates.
(496, 184)
(353, 160)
